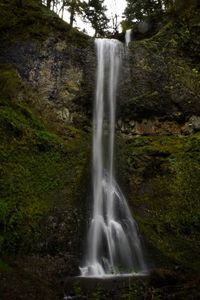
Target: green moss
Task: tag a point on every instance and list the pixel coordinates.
(36, 22)
(164, 175)
(10, 82)
(35, 166)
(4, 266)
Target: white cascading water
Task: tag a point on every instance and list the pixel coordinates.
(114, 247)
(128, 36)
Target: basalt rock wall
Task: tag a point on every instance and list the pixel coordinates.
(160, 89)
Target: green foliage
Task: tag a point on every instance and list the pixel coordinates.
(74, 7)
(36, 22)
(92, 11)
(77, 289)
(4, 266)
(10, 83)
(95, 13)
(98, 294)
(142, 9)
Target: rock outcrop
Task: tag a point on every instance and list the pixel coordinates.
(57, 64)
(161, 86)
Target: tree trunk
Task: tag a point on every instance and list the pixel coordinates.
(72, 16)
(160, 4)
(49, 4)
(19, 3)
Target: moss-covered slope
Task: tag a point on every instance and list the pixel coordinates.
(39, 169)
(43, 188)
(164, 176)
(160, 176)
(35, 22)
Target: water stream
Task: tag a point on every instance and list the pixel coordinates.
(113, 245)
(128, 36)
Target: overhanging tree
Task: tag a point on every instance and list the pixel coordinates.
(95, 14)
(142, 9)
(90, 10)
(74, 7)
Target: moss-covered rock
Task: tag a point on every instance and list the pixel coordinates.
(51, 58)
(163, 189)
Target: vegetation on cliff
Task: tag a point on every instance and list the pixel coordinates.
(38, 169)
(163, 175)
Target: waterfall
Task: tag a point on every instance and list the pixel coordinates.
(114, 246)
(128, 36)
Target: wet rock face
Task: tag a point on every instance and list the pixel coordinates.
(161, 80)
(61, 76)
(158, 85)
(156, 126)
